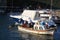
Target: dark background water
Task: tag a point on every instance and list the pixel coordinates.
(14, 34)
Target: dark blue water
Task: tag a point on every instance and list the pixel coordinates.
(14, 34)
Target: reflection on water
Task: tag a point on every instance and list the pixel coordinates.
(14, 34)
(35, 37)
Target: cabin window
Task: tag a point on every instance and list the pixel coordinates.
(45, 13)
(45, 17)
(38, 15)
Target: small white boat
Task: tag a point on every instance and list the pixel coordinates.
(34, 15)
(40, 32)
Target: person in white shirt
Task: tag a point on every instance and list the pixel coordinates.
(29, 20)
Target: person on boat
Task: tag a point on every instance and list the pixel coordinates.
(30, 23)
(51, 24)
(25, 24)
(46, 25)
(42, 24)
(29, 20)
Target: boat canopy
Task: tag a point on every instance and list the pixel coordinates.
(32, 14)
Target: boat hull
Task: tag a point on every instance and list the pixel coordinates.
(41, 32)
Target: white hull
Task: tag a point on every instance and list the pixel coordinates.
(28, 30)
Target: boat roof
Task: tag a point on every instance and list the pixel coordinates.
(32, 14)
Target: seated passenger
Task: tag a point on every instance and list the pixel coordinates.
(24, 25)
(46, 25)
(29, 20)
(31, 25)
(42, 24)
(51, 24)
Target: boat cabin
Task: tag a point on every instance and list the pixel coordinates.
(35, 14)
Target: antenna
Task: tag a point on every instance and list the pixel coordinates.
(51, 4)
(51, 7)
(12, 5)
